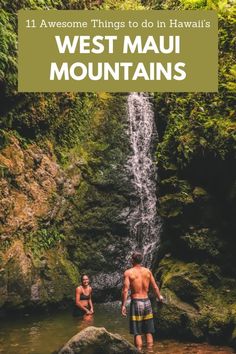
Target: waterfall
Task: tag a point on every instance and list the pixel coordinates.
(141, 216)
(143, 220)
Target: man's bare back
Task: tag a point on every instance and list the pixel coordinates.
(139, 278)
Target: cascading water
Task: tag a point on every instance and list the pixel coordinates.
(143, 219)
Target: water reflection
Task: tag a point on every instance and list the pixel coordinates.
(84, 322)
(45, 333)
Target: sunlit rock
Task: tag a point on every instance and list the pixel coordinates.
(93, 340)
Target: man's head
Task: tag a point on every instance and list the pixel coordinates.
(137, 258)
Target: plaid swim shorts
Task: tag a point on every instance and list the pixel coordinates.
(141, 317)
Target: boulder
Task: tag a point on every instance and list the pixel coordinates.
(233, 339)
(199, 302)
(93, 340)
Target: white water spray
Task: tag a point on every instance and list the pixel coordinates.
(141, 216)
(143, 219)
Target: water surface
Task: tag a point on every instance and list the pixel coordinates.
(44, 333)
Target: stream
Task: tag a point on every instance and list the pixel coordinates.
(45, 333)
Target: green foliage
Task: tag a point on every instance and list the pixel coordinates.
(102, 193)
(193, 133)
(43, 239)
(8, 36)
(8, 48)
(122, 5)
(175, 195)
(4, 139)
(231, 79)
(16, 5)
(5, 244)
(197, 145)
(203, 241)
(63, 118)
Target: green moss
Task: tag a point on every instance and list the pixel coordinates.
(58, 278)
(122, 5)
(233, 338)
(197, 305)
(43, 239)
(203, 240)
(4, 139)
(171, 205)
(183, 279)
(8, 50)
(70, 270)
(197, 145)
(200, 192)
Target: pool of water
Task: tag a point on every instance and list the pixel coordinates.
(44, 333)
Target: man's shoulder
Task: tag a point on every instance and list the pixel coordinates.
(146, 270)
(128, 271)
(131, 270)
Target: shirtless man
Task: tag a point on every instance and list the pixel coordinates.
(138, 279)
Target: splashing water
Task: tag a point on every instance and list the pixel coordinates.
(143, 219)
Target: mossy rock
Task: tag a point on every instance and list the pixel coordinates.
(233, 338)
(3, 286)
(220, 325)
(173, 184)
(184, 279)
(203, 241)
(58, 279)
(169, 319)
(200, 193)
(185, 288)
(199, 302)
(177, 319)
(172, 205)
(28, 282)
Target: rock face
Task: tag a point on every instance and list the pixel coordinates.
(29, 179)
(200, 302)
(94, 340)
(61, 198)
(34, 265)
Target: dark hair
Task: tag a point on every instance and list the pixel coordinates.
(82, 276)
(137, 257)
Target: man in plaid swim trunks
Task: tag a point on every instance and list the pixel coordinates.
(138, 279)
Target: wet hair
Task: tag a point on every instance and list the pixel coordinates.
(82, 276)
(137, 257)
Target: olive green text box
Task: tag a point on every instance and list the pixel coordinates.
(117, 51)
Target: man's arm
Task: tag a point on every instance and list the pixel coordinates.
(155, 287)
(125, 290)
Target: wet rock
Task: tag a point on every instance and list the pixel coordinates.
(220, 325)
(19, 274)
(25, 281)
(196, 307)
(203, 242)
(233, 339)
(32, 273)
(184, 288)
(93, 340)
(32, 180)
(177, 319)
